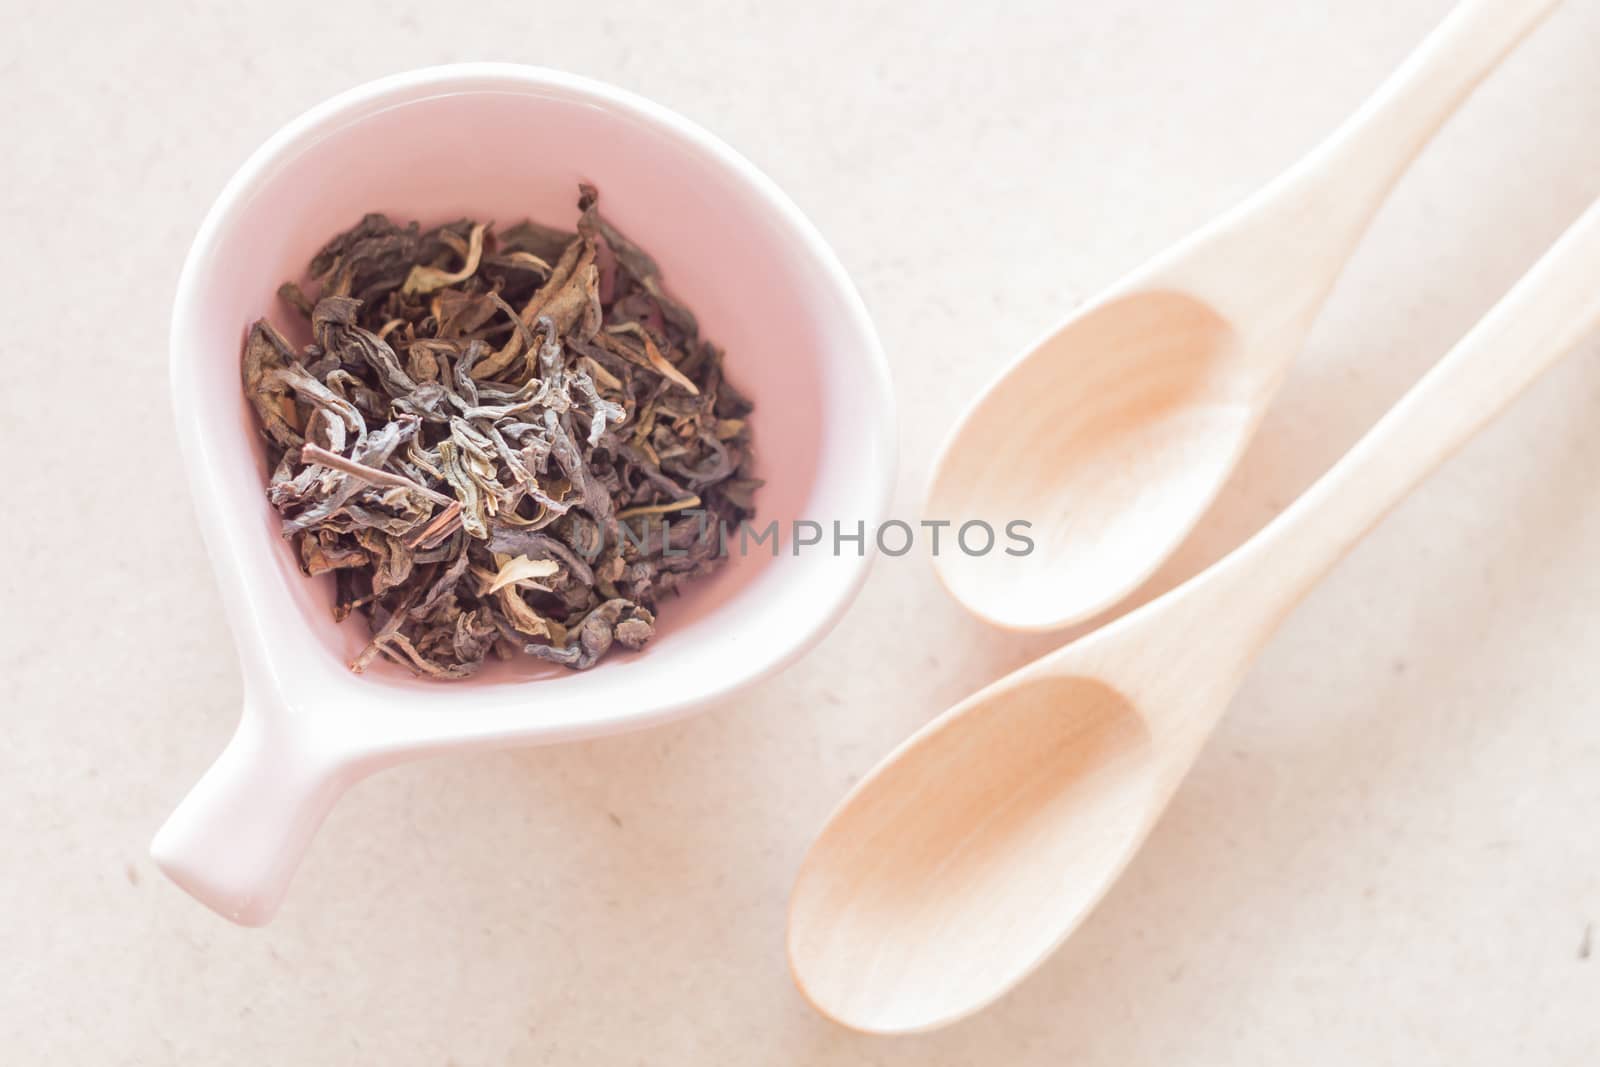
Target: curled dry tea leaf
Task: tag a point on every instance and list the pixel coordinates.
(659, 509)
(487, 446)
(426, 279)
(522, 569)
(652, 356)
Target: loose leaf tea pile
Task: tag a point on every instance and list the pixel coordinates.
(510, 441)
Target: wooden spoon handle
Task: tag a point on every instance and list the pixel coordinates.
(1324, 202)
(1541, 319)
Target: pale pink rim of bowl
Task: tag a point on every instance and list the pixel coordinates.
(237, 837)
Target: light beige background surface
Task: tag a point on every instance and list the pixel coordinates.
(1389, 854)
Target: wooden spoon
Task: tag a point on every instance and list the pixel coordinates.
(954, 868)
(1116, 432)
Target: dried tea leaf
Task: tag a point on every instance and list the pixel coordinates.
(652, 357)
(522, 569)
(659, 509)
(480, 442)
(265, 354)
(426, 279)
(523, 618)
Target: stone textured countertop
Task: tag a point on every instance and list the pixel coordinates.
(1388, 853)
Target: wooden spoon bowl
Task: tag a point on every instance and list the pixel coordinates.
(1108, 439)
(1055, 775)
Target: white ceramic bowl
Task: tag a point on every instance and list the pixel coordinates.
(503, 142)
